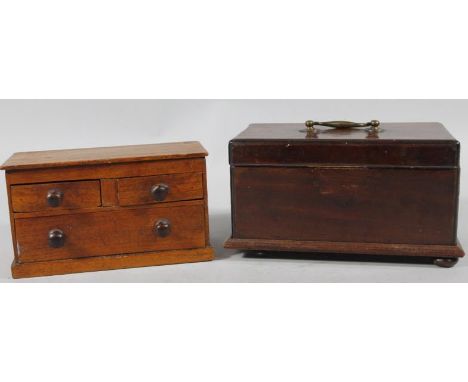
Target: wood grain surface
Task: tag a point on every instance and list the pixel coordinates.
(109, 192)
(33, 197)
(366, 205)
(435, 251)
(401, 132)
(397, 144)
(101, 263)
(103, 155)
(137, 191)
(107, 213)
(369, 153)
(115, 170)
(120, 231)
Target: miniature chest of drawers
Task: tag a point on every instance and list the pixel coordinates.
(107, 208)
(337, 187)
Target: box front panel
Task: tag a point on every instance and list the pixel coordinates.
(374, 205)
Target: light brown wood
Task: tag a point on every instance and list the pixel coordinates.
(107, 233)
(33, 197)
(101, 263)
(351, 248)
(12, 218)
(116, 170)
(137, 191)
(26, 215)
(207, 218)
(103, 155)
(109, 192)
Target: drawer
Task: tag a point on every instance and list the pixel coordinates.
(161, 188)
(53, 196)
(125, 231)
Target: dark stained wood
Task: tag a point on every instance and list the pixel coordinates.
(109, 192)
(78, 235)
(402, 132)
(101, 263)
(446, 262)
(103, 155)
(435, 251)
(136, 191)
(345, 190)
(320, 153)
(115, 170)
(346, 204)
(33, 197)
(398, 144)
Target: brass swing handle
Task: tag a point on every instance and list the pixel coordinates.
(374, 125)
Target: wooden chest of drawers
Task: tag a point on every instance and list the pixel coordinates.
(387, 190)
(107, 208)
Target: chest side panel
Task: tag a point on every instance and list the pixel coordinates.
(375, 205)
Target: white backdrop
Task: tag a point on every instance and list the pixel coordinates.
(29, 125)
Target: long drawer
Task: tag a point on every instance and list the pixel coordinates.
(132, 230)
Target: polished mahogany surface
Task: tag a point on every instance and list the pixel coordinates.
(396, 144)
(394, 191)
(407, 131)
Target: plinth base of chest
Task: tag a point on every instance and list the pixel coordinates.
(443, 255)
(102, 263)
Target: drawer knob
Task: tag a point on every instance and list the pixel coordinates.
(56, 238)
(54, 197)
(163, 227)
(160, 191)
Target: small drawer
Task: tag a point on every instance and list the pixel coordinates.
(53, 196)
(124, 231)
(161, 188)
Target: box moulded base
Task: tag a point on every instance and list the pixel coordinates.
(443, 255)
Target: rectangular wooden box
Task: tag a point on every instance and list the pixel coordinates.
(108, 208)
(391, 192)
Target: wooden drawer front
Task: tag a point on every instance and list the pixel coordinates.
(54, 196)
(395, 206)
(138, 191)
(110, 232)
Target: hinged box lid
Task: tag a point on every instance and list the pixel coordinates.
(411, 144)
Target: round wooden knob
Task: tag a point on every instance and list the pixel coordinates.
(160, 191)
(56, 238)
(54, 197)
(163, 227)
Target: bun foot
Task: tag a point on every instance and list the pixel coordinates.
(447, 262)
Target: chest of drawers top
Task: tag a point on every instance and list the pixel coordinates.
(103, 155)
